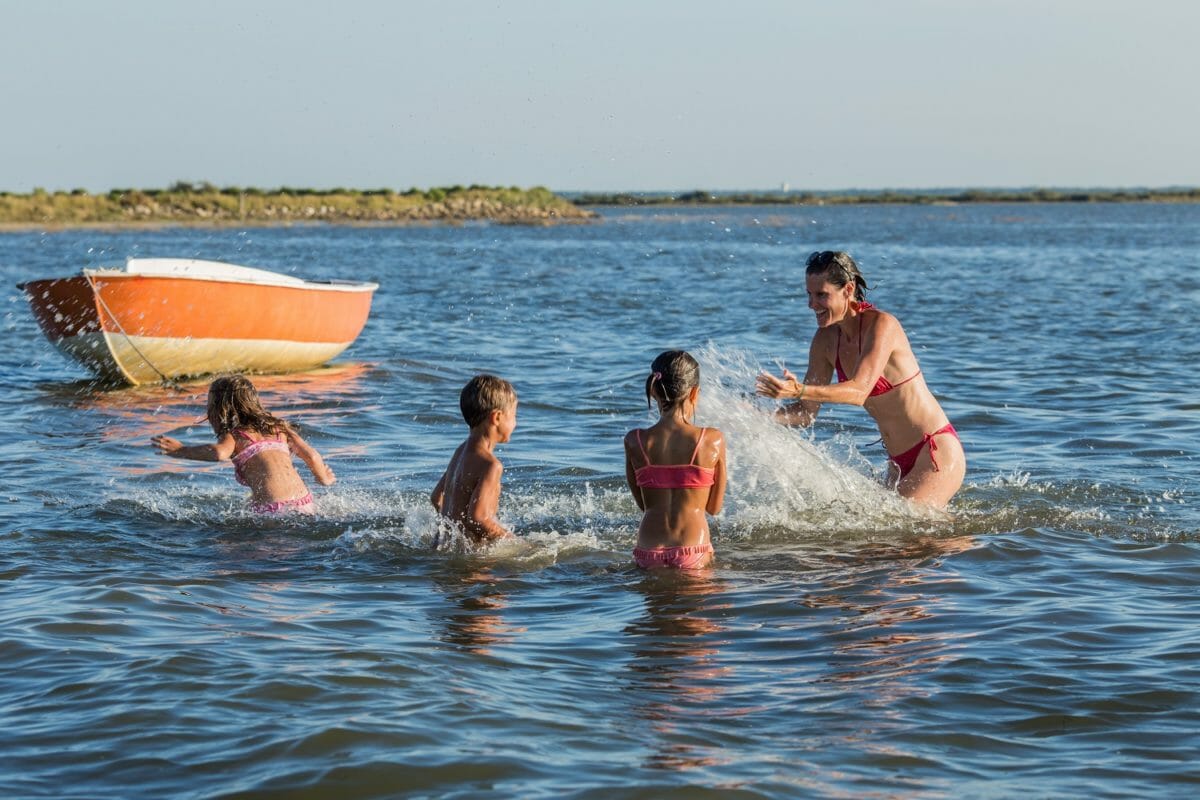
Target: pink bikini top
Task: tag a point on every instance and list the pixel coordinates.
(253, 449)
(673, 476)
(883, 385)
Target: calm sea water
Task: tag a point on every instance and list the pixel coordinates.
(159, 641)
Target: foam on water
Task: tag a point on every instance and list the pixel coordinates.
(784, 485)
(782, 478)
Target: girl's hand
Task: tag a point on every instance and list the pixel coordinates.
(166, 445)
(326, 477)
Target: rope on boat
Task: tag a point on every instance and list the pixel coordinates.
(129, 339)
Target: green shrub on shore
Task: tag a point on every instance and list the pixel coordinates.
(185, 202)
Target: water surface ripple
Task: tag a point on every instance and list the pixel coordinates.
(160, 641)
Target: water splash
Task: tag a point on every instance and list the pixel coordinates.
(784, 480)
(552, 528)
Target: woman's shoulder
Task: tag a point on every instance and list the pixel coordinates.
(881, 316)
(884, 322)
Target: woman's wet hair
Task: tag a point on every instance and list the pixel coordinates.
(839, 269)
(233, 403)
(672, 376)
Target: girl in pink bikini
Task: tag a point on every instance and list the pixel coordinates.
(259, 444)
(876, 369)
(675, 470)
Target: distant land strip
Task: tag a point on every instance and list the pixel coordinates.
(917, 197)
(204, 204)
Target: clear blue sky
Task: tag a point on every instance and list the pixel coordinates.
(605, 95)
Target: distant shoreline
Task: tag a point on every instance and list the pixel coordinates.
(204, 205)
(889, 196)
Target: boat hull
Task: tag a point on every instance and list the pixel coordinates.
(144, 328)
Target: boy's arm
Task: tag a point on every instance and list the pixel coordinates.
(311, 457)
(221, 451)
(438, 497)
(485, 502)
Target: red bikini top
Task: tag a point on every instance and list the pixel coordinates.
(883, 385)
(673, 476)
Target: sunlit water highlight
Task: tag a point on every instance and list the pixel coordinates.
(160, 640)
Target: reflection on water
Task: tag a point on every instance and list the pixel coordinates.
(131, 415)
(844, 644)
(476, 624)
(676, 672)
(885, 631)
(314, 391)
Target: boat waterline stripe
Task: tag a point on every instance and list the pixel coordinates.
(148, 359)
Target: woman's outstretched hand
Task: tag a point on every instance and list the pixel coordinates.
(768, 385)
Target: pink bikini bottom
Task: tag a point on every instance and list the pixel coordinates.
(297, 505)
(678, 557)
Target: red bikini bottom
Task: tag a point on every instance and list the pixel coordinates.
(908, 459)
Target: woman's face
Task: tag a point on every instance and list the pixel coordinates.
(828, 301)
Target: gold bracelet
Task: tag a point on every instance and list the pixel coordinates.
(803, 386)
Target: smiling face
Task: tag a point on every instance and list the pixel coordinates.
(828, 301)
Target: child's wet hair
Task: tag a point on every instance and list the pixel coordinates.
(839, 269)
(233, 403)
(672, 376)
(484, 394)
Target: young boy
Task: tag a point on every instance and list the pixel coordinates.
(469, 490)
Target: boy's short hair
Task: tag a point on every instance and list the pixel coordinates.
(484, 394)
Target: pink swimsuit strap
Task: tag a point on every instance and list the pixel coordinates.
(673, 476)
(251, 450)
(254, 448)
(882, 385)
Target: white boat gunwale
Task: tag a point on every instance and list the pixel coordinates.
(201, 270)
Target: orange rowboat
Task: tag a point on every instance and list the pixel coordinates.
(164, 318)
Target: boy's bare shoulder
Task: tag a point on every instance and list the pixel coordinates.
(483, 462)
(470, 465)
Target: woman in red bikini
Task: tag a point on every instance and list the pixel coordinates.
(675, 470)
(259, 444)
(876, 369)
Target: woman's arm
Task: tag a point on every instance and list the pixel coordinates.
(630, 476)
(879, 340)
(221, 451)
(311, 457)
